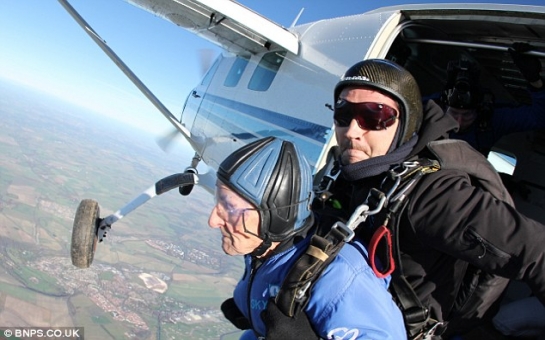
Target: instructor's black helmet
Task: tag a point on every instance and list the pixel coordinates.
(275, 177)
(393, 80)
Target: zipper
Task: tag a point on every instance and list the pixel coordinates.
(487, 246)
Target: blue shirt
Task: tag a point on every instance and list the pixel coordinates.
(348, 301)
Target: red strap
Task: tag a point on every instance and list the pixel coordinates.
(381, 232)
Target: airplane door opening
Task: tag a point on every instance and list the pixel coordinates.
(196, 96)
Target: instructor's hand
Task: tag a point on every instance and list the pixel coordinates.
(281, 327)
(233, 314)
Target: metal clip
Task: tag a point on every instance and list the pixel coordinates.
(401, 194)
(405, 167)
(349, 232)
(359, 216)
(302, 291)
(394, 187)
(431, 332)
(377, 209)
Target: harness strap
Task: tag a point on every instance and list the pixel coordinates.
(293, 296)
(416, 315)
(383, 249)
(418, 323)
(397, 186)
(320, 252)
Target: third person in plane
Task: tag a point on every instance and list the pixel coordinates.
(481, 122)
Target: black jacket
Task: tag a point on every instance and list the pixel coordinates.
(458, 243)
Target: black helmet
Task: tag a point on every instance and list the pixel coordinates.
(393, 80)
(462, 90)
(275, 177)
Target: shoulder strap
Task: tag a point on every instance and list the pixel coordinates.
(293, 297)
(396, 187)
(325, 177)
(293, 294)
(416, 315)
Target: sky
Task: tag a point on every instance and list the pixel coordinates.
(43, 47)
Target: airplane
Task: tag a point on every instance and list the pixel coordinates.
(272, 80)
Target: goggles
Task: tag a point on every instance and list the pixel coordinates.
(234, 214)
(369, 116)
(228, 209)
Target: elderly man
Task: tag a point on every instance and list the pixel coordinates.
(459, 237)
(263, 197)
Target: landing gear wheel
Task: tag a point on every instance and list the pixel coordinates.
(84, 233)
(186, 189)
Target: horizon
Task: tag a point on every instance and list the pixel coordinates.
(46, 49)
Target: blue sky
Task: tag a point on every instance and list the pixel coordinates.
(42, 46)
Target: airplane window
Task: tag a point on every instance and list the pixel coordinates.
(236, 71)
(266, 71)
(210, 73)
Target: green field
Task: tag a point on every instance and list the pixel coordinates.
(53, 155)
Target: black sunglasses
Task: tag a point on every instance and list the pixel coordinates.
(369, 115)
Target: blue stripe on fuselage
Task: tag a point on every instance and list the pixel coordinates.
(305, 128)
(246, 122)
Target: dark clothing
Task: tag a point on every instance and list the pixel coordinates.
(506, 120)
(456, 239)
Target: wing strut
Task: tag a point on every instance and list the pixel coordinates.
(136, 81)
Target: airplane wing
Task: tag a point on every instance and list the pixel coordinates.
(225, 23)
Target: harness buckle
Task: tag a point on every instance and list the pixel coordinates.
(328, 180)
(302, 291)
(346, 230)
(359, 216)
(323, 191)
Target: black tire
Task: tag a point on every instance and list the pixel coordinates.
(84, 233)
(185, 190)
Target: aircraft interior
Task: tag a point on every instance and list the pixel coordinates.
(426, 45)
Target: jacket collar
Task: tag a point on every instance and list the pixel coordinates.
(436, 125)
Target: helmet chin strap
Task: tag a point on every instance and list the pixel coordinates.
(262, 248)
